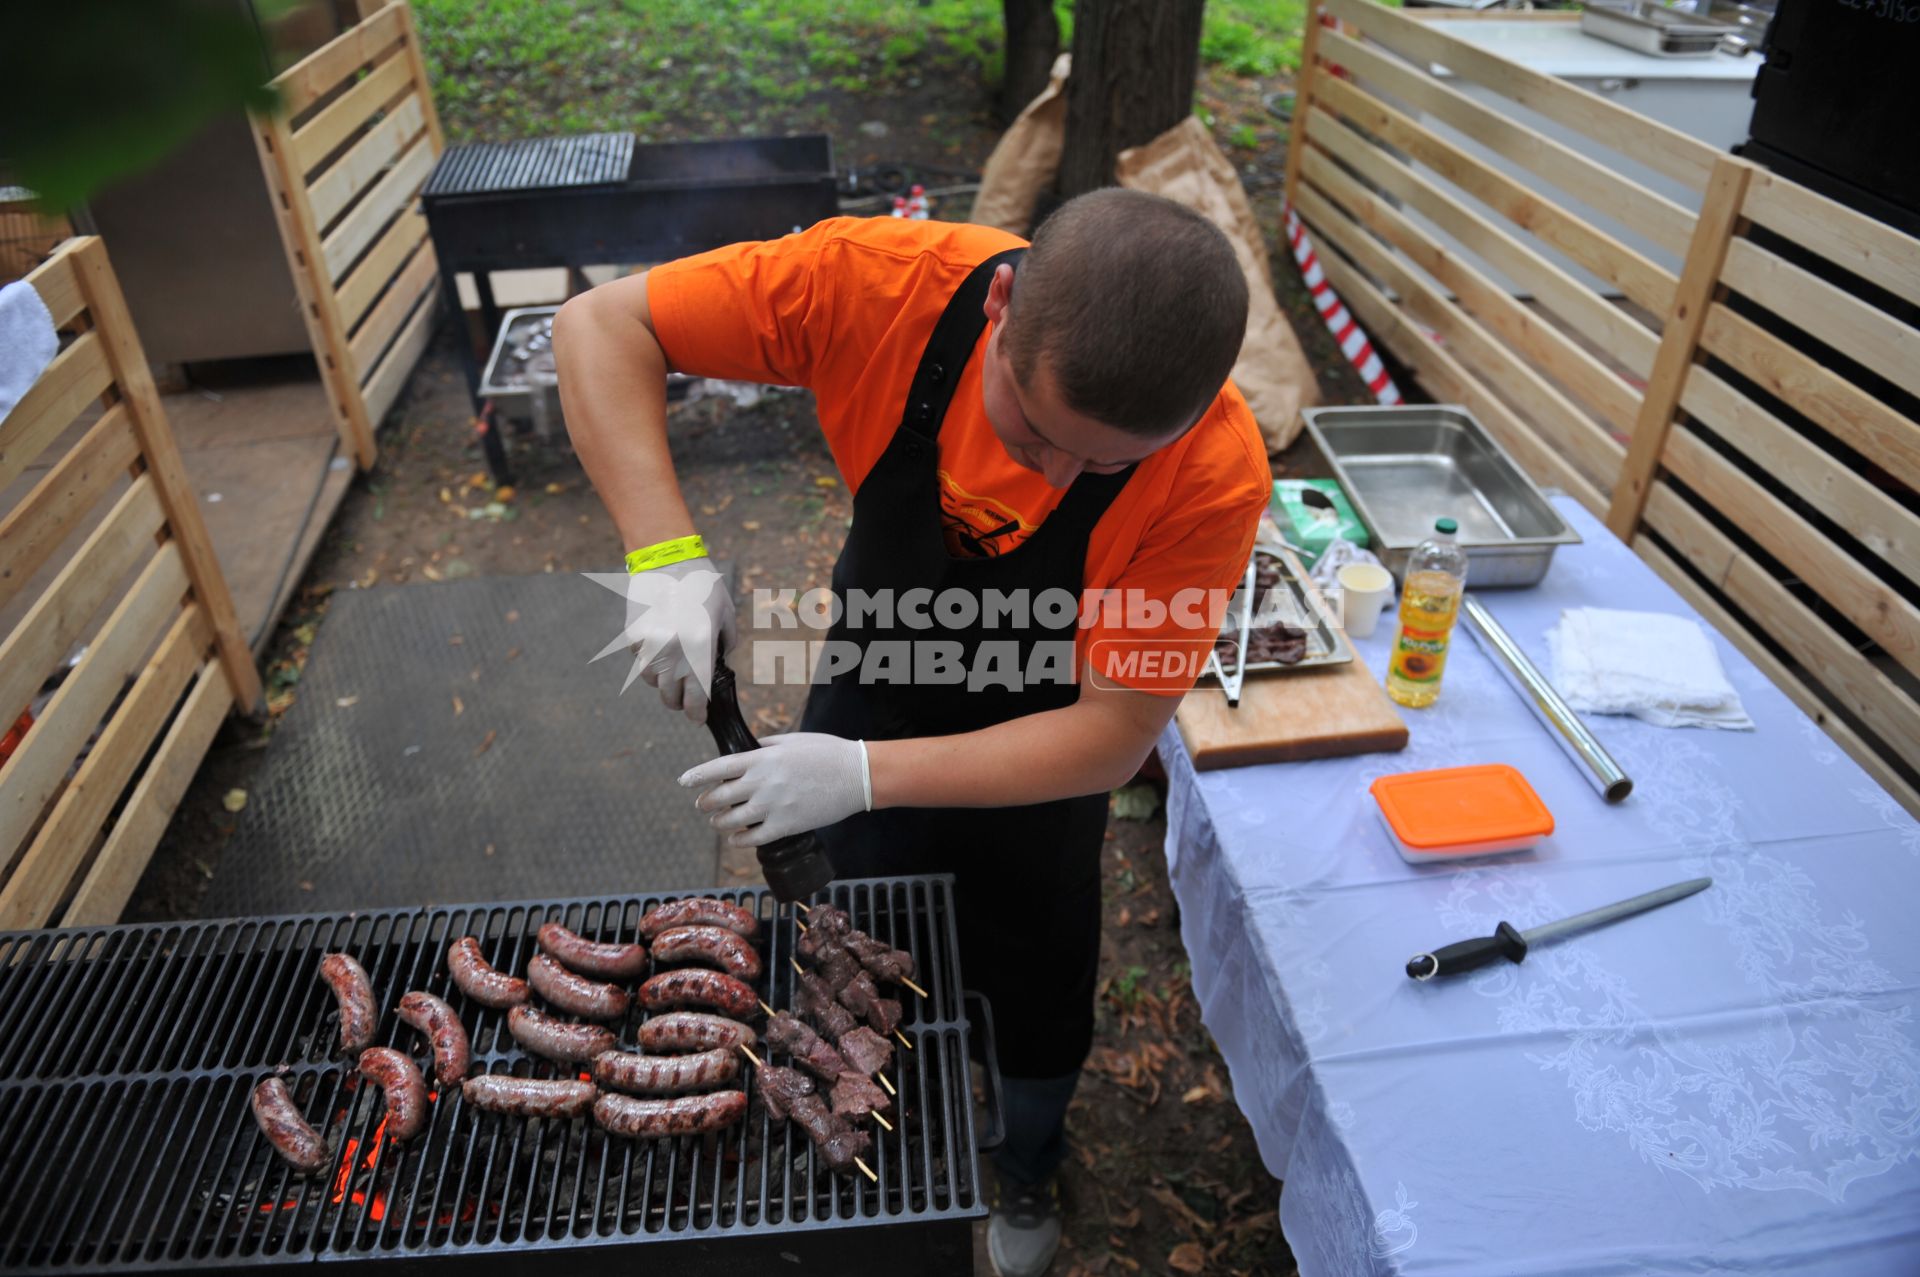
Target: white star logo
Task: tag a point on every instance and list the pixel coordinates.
(667, 617)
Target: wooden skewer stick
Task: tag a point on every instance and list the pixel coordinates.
(903, 1039)
(911, 985)
(865, 1169)
(797, 968)
(748, 1052)
(887, 1084)
(769, 1010)
(802, 908)
(875, 1115)
(801, 925)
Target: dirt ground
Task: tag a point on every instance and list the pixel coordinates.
(1165, 1176)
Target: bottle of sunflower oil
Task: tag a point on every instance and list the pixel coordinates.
(1429, 605)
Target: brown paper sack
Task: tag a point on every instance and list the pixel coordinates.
(1025, 159)
(1184, 165)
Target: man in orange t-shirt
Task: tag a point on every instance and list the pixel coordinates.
(1055, 489)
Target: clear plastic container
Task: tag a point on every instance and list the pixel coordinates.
(1455, 812)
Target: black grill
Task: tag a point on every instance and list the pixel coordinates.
(127, 1055)
(592, 159)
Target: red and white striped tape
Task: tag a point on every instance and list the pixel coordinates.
(1345, 329)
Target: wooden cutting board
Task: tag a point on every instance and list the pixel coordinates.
(1286, 717)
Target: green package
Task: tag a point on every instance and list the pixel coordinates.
(1311, 522)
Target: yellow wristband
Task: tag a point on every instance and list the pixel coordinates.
(678, 550)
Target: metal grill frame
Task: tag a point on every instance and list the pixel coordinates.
(120, 1044)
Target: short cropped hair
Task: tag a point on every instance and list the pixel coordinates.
(1137, 305)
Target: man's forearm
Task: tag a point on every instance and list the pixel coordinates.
(613, 391)
(1059, 753)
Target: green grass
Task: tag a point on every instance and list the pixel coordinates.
(510, 68)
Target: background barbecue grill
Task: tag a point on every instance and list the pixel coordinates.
(128, 1054)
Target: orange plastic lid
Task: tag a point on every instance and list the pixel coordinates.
(1462, 807)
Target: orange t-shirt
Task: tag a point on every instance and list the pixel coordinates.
(846, 309)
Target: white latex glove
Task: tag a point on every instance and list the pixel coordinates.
(792, 783)
(678, 618)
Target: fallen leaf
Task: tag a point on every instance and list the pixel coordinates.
(446, 496)
(455, 640)
(477, 479)
(825, 481)
(459, 707)
(1188, 1257)
(348, 702)
(306, 884)
(432, 573)
(555, 489)
(513, 616)
(1130, 1219)
(709, 509)
(234, 800)
(1195, 1094)
(503, 493)
(750, 525)
(513, 653)
(303, 635)
(1124, 917)
(486, 744)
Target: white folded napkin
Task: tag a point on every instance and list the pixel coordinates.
(27, 342)
(1661, 669)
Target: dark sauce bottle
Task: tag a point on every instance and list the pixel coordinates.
(795, 866)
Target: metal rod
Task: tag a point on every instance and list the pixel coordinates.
(1595, 763)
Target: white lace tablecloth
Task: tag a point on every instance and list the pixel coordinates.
(1728, 1085)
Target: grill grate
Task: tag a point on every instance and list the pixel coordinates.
(127, 1055)
(479, 168)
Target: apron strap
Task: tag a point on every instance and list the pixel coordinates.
(949, 348)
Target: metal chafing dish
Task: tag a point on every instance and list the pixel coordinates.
(1404, 467)
(1657, 31)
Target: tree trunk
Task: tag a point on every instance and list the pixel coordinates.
(1134, 65)
(1033, 41)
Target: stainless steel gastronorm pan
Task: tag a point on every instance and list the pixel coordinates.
(1404, 467)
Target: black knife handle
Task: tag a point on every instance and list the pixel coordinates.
(1465, 955)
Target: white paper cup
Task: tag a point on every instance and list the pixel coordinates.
(1365, 589)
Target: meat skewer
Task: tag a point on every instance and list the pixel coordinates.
(858, 997)
(853, 1093)
(866, 1050)
(885, 1050)
(832, 925)
(790, 1097)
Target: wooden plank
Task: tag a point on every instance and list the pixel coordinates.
(162, 457)
(1585, 311)
(387, 197)
(390, 374)
(47, 515)
(69, 385)
(385, 319)
(1870, 249)
(1810, 703)
(339, 120)
(365, 161)
(1679, 342)
(59, 291)
(40, 881)
(116, 870)
(1849, 413)
(422, 81)
(1592, 183)
(320, 72)
(1866, 511)
(1556, 354)
(364, 282)
(1303, 87)
(1663, 149)
(1640, 279)
(1440, 373)
(1862, 332)
(317, 305)
(1866, 693)
(59, 618)
(40, 764)
(1557, 426)
(1882, 614)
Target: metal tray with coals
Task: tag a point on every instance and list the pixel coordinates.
(1404, 467)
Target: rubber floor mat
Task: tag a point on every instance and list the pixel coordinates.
(452, 742)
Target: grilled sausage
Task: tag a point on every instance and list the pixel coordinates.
(529, 1096)
(405, 1089)
(575, 994)
(451, 1053)
(693, 1031)
(281, 1122)
(657, 1119)
(698, 911)
(712, 946)
(694, 986)
(557, 1039)
(477, 978)
(665, 1074)
(354, 992)
(590, 957)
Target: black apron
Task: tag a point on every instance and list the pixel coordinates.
(1027, 878)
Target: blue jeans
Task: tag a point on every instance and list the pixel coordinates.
(1035, 1113)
